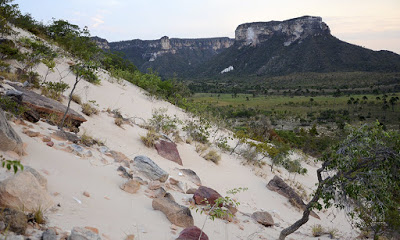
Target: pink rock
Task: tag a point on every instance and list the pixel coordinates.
(50, 144)
(192, 233)
(169, 151)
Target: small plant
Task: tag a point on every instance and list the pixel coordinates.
(317, 230)
(222, 143)
(213, 156)
(9, 105)
(198, 130)
(118, 121)
(161, 122)
(38, 216)
(76, 98)
(87, 139)
(54, 90)
(201, 148)
(333, 233)
(150, 139)
(15, 165)
(88, 109)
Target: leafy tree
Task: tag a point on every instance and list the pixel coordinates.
(360, 173)
(7, 12)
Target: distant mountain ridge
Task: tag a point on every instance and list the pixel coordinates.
(273, 48)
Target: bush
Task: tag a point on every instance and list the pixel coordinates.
(88, 109)
(213, 156)
(9, 105)
(76, 98)
(150, 139)
(161, 122)
(54, 90)
(87, 140)
(317, 230)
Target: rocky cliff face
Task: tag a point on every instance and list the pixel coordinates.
(292, 30)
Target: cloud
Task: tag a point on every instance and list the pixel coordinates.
(97, 21)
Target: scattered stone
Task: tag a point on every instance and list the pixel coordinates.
(46, 139)
(173, 181)
(150, 169)
(124, 172)
(118, 156)
(141, 181)
(14, 220)
(130, 237)
(49, 234)
(9, 139)
(279, 186)
(86, 194)
(79, 233)
(173, 227)
(205, 194)
(50, 144)
(93, 229)
(12, 154)
(192, 233)
(159, 193)
(88, 153)
(65, 136)
(176, 214)
(31, 133)
(169, 151)
(192, 176)
(153, 185)
(23, 191)
(131, 186)
(39, 177)
(191, 190)
(103, 149)
(263, 218)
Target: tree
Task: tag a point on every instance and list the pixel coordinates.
(360, 173)
(7, 12)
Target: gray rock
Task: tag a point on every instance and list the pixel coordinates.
(192, 176)
(263, 218)
(176, 214)
(11, 237)
(9, 139)
(79, 233)
(42, 180)
(150, 169)
(49, 234)
(103, 149)
(14, 220)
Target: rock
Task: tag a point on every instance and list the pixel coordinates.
(130, 237)
(86, 194)
(11, 236)
(9, 139)
(46, 139)
(39, 177)
(153, 185)
(131, 186)
(279, 186)
(93, 229)
(263, 218)
(141, 181)
(65, 136)
(31, 133)
(118, 156)
(191, 190)
(150, 169)
(78, 150)
(169, 151)
(31, 116)
(173, 181)
(23, 191)
(204, 194)
(79, 233)
(49, 234)
(192, 233)
(124, 172)
(176, 214)
(103, 149)
(50, 144)
(192, 176)
(44, 105)
(159, 193)
(16, 221)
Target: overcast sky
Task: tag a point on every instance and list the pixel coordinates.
(368, 23)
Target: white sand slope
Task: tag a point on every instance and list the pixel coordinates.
(117, 213)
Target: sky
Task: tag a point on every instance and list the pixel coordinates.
(368, 23)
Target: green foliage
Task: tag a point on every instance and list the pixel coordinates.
(9, 164)
(54, 90)
(8, 50)
(9, 105)
(212, 156)
(86, 72)
(88, 109)
(150, 139)
(7, 12)
(198, 129)
(162, 122)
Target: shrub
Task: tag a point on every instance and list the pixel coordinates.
(198, 130)
(150, 139)
(54, 90)
(160, 121)
(86, 73)
(9, 105)
(213, 156)
(200, 148)
(88, 109)
(76, 98)
(87, 140)
(118, 121)
(317, 230)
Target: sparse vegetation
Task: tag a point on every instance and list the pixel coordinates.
(150, 139)
(88, 109)
(10, 164)
(212, 156)
(119, 121)
(76, 98)
(317, 230)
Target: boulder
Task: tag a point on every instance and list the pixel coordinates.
(23, 191)
(176, 214)
(14, 220)
(204, 195)
(124, 172)
(42, 180)
(191, 190)
(131, 186)
(278, 185)
(9, 139)
(150, 169)
(169, 151)
(153, 185)
(263, 218)
(79, 233)
(192, 176)
(192, 233)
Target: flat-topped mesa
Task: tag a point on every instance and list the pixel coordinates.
(291, 30)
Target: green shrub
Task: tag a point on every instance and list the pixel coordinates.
(88, 109)
(161, 122)
(150, 139)
(9, 105)
(54, 90)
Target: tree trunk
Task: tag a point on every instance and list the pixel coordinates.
(69, 103)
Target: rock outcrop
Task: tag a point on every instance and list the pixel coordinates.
(23, 191)
(176, 214)
(9, 139)
(79, 233)
(150, 169)
(192, 233)
(193, 177)
(278, 185)
(169, 151)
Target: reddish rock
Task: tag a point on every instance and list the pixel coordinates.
(118, 156)
(46, 139)
(31, 133)
(169, 151)
(86, 194)
(93, 229)
(50, 144)
(192, 233)
(279, 186)
(204, 194)
(153, 185)
(131, 186)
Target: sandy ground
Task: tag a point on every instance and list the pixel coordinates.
(117, 213)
